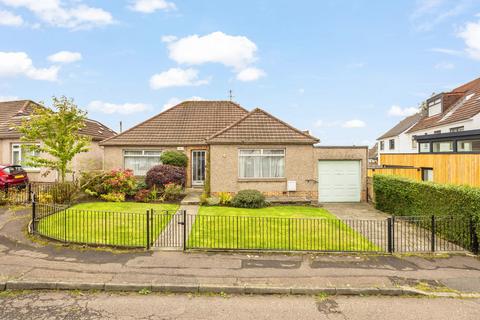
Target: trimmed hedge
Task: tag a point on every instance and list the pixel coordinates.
(249, 199)
(174, 158)
(404, 197)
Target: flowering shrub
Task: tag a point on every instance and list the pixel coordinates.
(120, 181)
(148, 195)
(164, 174)
(113, 197)
(172, 191)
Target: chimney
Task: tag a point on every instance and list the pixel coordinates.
(121, 127)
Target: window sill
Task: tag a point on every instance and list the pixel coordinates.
(262, 180)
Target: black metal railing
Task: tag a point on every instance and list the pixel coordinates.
(99, 228)
(46, 192)
(177, 229)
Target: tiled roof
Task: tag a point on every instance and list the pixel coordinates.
(259, 126)
(402, 126)
(11, 113)
(464, 109)
(187, 123)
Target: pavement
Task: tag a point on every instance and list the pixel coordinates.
(87, 305)
(32, 265)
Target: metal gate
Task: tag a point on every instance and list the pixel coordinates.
(166, 230)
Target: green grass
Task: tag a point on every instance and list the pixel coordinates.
(272, 228)
(106, 223)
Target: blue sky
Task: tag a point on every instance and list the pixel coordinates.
(346, 70)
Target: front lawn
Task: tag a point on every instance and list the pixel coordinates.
(274, 228)
(106, 223)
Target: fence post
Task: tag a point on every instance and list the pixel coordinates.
(148, 229)
(34, 214)
(184, 230)
(433, 233)
(29, 191)
(473, 237)
(389, 235)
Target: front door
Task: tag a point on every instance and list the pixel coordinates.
(198, 167)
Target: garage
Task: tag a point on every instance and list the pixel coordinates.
(339, 180)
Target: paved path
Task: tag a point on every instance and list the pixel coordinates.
(408, 237)
(172, 237)
(64, 305)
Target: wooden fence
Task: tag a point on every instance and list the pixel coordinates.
(451, 168)
(412, 173)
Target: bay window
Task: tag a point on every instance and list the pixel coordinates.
(140, 161)
(261, 163)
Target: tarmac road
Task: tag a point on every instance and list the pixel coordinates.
(80, 305)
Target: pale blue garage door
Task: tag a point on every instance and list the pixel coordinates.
(339, 181)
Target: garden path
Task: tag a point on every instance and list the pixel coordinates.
(172, 237)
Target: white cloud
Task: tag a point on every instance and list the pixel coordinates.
(8, 98)
(8, 18)
(56, 13)
(176, 77)
(447, 51)
(236, 52)
(150, 6)
(174, 101)
(169, 38)
(470, 34)
(250, 74)
(65, 57)
(18, 63)
(430, 13)
(444, 65)
(397, 111)
(217, 47)
(354, 124)
(122, 108)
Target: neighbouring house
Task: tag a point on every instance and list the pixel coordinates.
(11, 152)
(397, 139)
(446, 137)
(230, 149)
(373, 155)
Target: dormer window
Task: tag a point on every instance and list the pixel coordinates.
(434, 106)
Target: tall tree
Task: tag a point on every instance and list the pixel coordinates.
(53, 135)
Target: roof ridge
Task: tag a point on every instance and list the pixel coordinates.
(143, 122)
(170, 109)
(267, 114)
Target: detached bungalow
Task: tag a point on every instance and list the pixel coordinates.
(240, 149)
(11, 115)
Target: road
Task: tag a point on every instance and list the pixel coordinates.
(77, 305)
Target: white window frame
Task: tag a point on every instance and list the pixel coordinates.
(261, 154)
(17, 147)
(143, 155)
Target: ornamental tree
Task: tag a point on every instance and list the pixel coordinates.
(53, 135)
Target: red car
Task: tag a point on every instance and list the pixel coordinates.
(12, 176)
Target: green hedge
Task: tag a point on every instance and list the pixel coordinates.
(404, 197)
